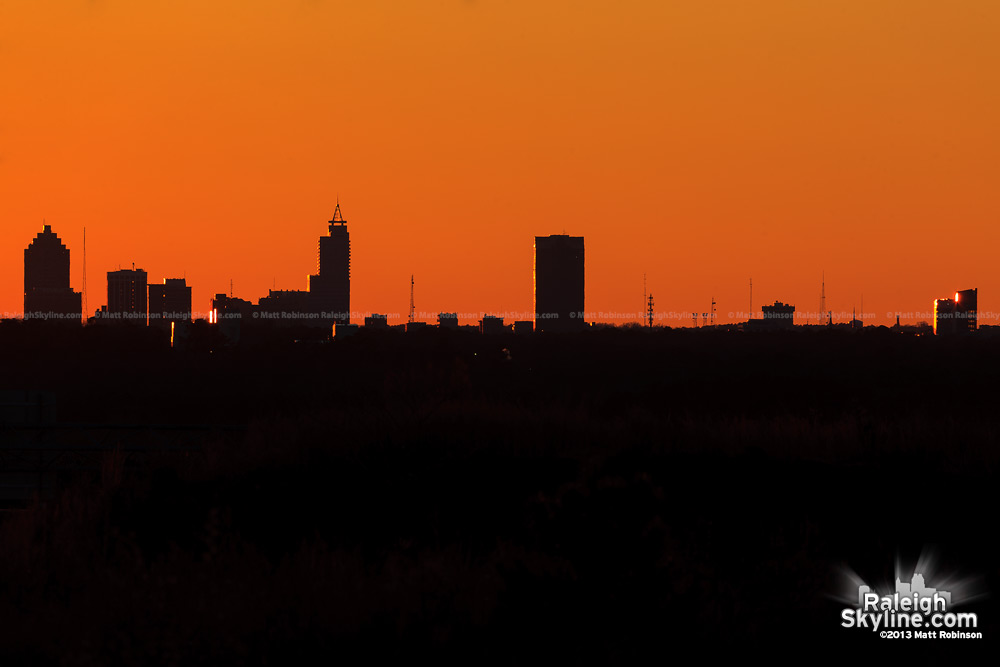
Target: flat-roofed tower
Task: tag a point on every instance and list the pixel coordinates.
(559, 283)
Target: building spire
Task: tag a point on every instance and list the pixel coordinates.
(337, 215)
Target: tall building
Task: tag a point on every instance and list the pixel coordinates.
(287, 307)
(967, 309)
(330, 289)
(958, 315)
(944, 316)
(127, 295)
(229, 314)
(170, 303)
(47, 293)
(559, 284)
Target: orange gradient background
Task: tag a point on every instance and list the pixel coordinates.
(702, 142)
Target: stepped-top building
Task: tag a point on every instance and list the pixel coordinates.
(47, 292)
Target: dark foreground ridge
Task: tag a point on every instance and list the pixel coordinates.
(602, 497)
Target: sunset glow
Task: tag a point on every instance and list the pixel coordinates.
(699, 143)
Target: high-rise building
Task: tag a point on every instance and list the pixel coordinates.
(47, 292)
(944, 316)
(967, 309)
(958, 315)
(330, 289)
(559, 283)
(170, 303)
(230, 314)
(287, 308)
(127, 290)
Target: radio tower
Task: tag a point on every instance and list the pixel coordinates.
(83, 288)
(713, 311)
(649, 310)
(412, 309)
(643, 293)
(822, 299)
(750, 313)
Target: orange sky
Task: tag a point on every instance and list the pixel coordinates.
(699, 141)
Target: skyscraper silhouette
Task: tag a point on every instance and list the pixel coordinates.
(127, 295)
(330, 289)
(170, 303)
(559, 283)
(958, 315)
(47, 293)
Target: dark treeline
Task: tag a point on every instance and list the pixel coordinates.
(590, 498)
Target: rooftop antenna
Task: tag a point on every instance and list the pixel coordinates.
(84, 287)
(411, 298)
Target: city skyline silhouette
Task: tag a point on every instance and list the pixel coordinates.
(495, 332)
(777, 145)
(326, 299)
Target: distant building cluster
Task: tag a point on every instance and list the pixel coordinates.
(131, 299)
(558, 290)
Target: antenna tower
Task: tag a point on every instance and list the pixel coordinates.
(643, 292)
(822, 298)
(84, 286)
(412, 309)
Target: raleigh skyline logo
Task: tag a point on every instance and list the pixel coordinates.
(913, 611)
